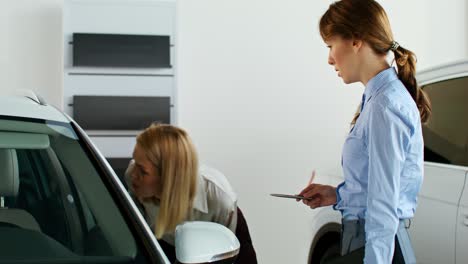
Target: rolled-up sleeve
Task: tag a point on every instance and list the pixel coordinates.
(388, 138)
(228, 217)
(224, 207)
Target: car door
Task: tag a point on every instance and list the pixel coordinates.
(462, 227)
(433, 227)
(60, 204)
(435, 231)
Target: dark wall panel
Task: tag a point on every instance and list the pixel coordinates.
(113, 50)
(120, 112)
(120, 166)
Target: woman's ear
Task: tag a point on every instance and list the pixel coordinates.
(357, 44)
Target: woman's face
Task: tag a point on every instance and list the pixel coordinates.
(342, 57)
(146, 181)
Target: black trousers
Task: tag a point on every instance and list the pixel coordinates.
(247, 253)
(357, 256)
(353, 241)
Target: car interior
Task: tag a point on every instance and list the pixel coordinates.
(54, 205)
(446, 140)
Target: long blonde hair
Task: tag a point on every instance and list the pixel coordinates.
(173, 154)
(366, 20)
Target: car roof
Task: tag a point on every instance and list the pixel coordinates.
(29, 107)
(443, 72)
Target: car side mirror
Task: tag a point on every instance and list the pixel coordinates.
(205, 242)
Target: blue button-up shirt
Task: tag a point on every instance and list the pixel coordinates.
(382, 164)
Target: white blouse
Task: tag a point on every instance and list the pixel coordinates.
(215, 201)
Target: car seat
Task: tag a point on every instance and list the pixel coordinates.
(9, 185)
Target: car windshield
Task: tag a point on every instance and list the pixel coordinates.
(56, 206)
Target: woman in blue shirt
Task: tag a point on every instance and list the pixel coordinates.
(382, 156)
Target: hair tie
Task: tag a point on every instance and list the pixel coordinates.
(394, 46)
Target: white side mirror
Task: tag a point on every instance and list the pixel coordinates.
(200, 242)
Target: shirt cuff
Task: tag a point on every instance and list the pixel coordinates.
(338, 198)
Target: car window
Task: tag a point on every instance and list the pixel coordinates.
(446, 134)
(62, 210)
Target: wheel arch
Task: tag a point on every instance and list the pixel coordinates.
(327, 234)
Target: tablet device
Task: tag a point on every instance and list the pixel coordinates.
(293, 196)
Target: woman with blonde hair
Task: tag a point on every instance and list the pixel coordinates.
(382, 157)
(166, 180)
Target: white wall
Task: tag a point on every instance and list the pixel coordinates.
(3, 47)
(255, 91)
(31, 45)
(263, 106)
(436, 30)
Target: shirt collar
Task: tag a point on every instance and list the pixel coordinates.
(200, 202)
(378, 81)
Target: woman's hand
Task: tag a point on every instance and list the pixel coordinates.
(320, 195)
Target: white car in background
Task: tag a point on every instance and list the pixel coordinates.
(60, 201)
(439, 230)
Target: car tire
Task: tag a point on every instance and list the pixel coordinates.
(326, 243)
(331, 252)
